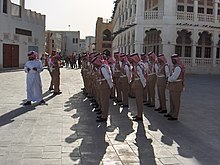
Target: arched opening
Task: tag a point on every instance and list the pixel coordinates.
(107, 35)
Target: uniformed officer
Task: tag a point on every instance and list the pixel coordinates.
(125, 79)
(105, 84)
(56, 72)
(144, 58)
(139, 84)
(116, 75)
(162, 76)
(151, 77)
(175, 86)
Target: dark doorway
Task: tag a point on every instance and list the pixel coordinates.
(10, 55)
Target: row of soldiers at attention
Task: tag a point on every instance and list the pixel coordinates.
(136, 75)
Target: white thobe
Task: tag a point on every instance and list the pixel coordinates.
(33, 80)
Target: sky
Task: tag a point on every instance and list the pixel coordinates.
(81, 15)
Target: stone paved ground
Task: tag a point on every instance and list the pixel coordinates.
(64, 131)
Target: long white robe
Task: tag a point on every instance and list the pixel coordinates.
(33, 80)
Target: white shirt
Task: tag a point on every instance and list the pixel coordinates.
(175, 74)
(106, 72)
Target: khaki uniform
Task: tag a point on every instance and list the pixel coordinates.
(161, 87)
(175, 90)
(151, 80)
(56, 75)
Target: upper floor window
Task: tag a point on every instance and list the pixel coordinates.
(5, 6)
(201, 10)
(180, 8)
(209, 11)
(106, 35)
(75, 40)
(189, 9)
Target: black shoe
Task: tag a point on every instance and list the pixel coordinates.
(172, 118)
(167, 115)
(118, 101)
(137, 118)
(51, 89)
(57, 93)
(97, 110)
(124, 106)
(27, 103)
(163, 111)
(158, 109)
(112, 97)
(42, 102)
(146, 104)
(151, 105)
(99, 113)
(101, 120)
(99, 117)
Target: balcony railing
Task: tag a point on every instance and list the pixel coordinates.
(204, 62)
(207, 62)
(205, 17)
(187, 61)
(185, 16)
(149, 15)
(218, 62)
(189, 16)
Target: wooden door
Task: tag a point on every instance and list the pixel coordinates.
(10, 55)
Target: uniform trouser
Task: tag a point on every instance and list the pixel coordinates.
(56, 80)
(146, 94)
(152, 84)
(104, 98)
(118, 88)
(139, 98)
(174, 103)
(89, 85)
(125, 89)
(51, 81)
(162, 96)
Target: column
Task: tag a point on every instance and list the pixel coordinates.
(216, 11)
(140, 10)
(139, 39)
(215, 42)
(195, 10)
(195, 38)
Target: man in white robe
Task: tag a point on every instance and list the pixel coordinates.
(33, 67)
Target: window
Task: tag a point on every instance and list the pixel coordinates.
(180, 8)
(209, 11)
(200, 10)
(5, 6)
(217, 53)
(178, 50)
(189, 8)
(198, 52)
(23, 32)
(188, 51)
(106, 35)
(207, 52)
(74, 40)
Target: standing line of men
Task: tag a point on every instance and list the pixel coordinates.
(128, 75)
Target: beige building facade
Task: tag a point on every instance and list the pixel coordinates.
(103, 38)
(190, 28)
(21, 30)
